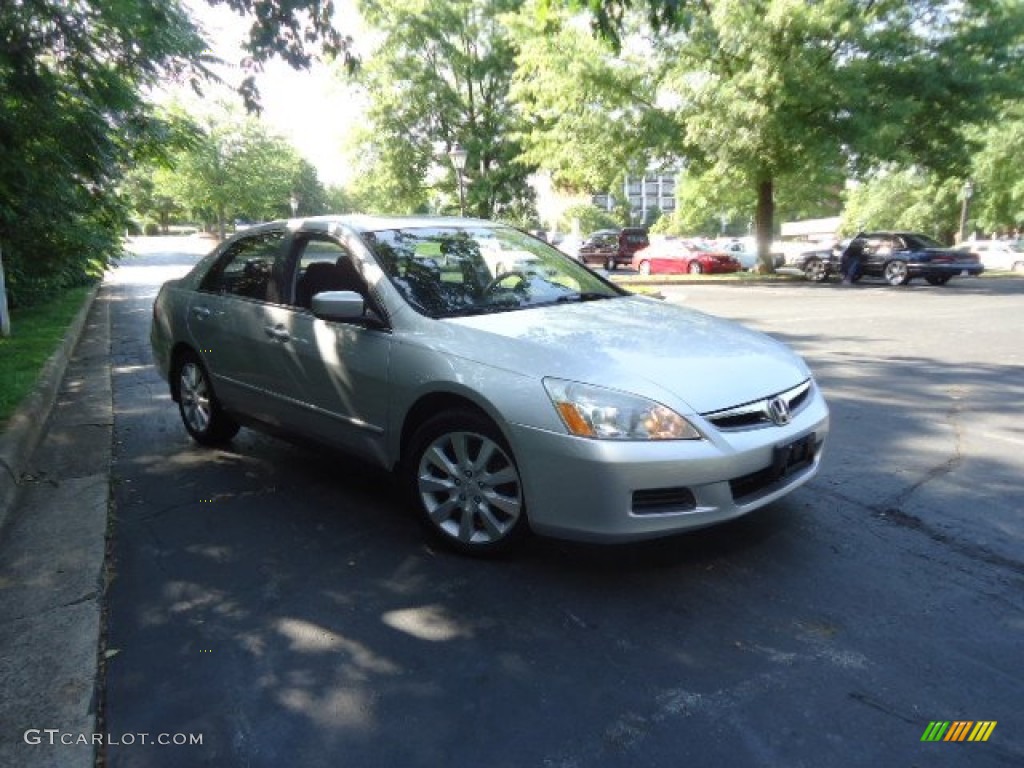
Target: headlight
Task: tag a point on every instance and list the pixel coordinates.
(589, 411)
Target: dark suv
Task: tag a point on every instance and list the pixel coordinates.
(613, 247)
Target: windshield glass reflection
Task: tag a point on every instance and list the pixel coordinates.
(453, 271)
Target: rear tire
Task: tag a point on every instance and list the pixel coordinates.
(609, 264)
(462, 478)
(694, 268)
(201, 412)
(814, 270)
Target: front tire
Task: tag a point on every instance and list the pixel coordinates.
(610, 264)
(463, 479)
(201, 412)
(895, 272)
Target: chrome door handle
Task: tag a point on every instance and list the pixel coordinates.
(277, 332)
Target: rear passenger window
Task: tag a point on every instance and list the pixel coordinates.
(249, 269)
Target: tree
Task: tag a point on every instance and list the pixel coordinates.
(776, 94)
(903, 199)
(234, 168)
(998, 181)
(72, 117)
(440, 77)
(587, 218)
(592, 116)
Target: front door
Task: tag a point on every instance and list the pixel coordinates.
(332, 376)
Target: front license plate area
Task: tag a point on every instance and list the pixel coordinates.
(793, 456)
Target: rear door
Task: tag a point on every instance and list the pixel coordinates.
(227, 319)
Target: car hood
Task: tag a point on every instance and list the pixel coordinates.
(635, 344)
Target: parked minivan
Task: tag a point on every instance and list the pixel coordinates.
(611, 248)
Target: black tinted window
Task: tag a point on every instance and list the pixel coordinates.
(249, 268)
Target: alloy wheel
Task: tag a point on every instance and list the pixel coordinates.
(814, 270)
(896, 273)
(470, 489)
(194, 390)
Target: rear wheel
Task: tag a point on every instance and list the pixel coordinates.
(609, 263)
(937, 279)
(814, 270)
(895, 272)
(200, 410)
(645, 268)
(694, 268)
(465, 483)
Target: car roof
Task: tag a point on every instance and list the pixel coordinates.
(362, 222)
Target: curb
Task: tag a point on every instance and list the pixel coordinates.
(27, 425)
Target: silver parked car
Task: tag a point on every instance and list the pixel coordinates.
(544, 398)
(997, 254)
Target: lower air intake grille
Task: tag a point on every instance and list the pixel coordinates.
(663, 500)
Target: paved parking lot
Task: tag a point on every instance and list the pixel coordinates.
(281, 603)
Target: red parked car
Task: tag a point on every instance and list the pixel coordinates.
(671, 257)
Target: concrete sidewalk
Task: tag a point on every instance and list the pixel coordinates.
(54, 493)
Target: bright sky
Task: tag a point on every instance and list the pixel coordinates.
(312, 109)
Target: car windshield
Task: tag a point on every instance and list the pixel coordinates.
(447, 271)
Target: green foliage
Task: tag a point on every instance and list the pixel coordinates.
(909, 199)
(592, 116)
(295, 31)
(997, 203)
(37, 332)
(767, 102)
(231, 168)
(588, 218)
(72, 118)
(439, 77)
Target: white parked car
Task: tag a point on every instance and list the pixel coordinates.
(549, 400)
(997, 254)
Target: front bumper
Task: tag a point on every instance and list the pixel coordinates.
(598, 490)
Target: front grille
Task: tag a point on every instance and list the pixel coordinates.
(756, 414)
(663, 500)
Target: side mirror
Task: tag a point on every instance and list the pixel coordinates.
(339, 305)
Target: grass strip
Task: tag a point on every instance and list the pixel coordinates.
(36, 332)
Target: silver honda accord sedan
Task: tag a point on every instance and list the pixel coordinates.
(508, 387)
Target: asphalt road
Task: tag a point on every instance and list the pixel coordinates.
(281, 604)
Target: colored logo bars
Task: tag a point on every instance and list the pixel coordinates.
(958, 730)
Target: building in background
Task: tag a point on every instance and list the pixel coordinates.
(649, 196)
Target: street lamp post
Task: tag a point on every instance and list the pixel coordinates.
(458, 156)
(965, 208)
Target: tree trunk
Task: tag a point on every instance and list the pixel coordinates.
(764, 223)
(5, 315)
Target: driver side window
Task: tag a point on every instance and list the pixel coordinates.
(325, 265)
